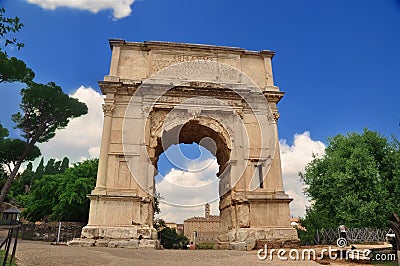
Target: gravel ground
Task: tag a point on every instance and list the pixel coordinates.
(42, 253)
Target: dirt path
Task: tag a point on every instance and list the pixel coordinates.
(41, 253)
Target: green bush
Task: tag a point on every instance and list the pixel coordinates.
(205, 246)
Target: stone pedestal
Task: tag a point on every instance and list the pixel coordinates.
(252, 238)
(118, 221)
(114, 243)
(257, 217)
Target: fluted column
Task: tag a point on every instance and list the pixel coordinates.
(277, 157)
(108, 109)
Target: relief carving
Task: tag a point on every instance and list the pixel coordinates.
(276, 116)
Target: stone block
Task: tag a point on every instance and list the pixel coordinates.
(147, 243)
(269, 233)
(82, 242)
(101, 243)
(153, 233)
(260, 234)
(89, 232)
(144, 232)
(232, 236)
(222, 245)
(250, 243)
(109, 232)
(242, 235)
(131, 243)
(113, 243)
(223, 237)
(238, 246)
(243, 215)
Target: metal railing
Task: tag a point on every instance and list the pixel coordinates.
(354, 235)
(13, 230)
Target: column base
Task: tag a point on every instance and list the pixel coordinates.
(114, 243)
(256, 238)
(135, 236)
(98, 191)
(118, 232)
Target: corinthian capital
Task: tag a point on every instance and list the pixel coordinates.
(108, 109)
(276, 116)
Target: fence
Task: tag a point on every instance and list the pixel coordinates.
(354, 235)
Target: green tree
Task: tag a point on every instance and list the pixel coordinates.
(11, 150)
(356, 182)
(45, 108)
(8, 26)
(14, 70)
(42, 198)
(156, 203)
(62, 197)
(64, 165)
(23, 182)
(78, 182)
(3, 132)
(39, 172)
(169, 238)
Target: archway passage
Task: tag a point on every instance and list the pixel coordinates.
(194, 132)
(187, 187)
(186, 181)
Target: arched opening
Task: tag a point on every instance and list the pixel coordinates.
(195, 132)
(189, 159)
(187, 180)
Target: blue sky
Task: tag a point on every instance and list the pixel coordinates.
(338, 61)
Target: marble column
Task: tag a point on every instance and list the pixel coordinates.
(108, 109)
(277, 157)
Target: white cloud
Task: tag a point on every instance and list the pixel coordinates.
(186, 192)
(81, 138)
(294, 158)
(176, 214)
(121, 8)
(183, 188)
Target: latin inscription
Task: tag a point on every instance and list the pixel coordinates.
(160, 63)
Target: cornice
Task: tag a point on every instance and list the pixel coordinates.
(159, 45)
(274, 96)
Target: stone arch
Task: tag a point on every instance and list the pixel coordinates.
(138, 94)
(194, 131)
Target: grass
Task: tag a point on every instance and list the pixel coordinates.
(2, 254)
(386, 263)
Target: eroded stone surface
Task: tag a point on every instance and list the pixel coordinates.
(132, 243)
(81, 242)
(114, 243)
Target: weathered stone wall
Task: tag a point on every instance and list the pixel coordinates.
(48, 231)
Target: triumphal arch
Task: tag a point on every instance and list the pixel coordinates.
(158, 94)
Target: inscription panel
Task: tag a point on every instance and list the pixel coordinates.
(163, 60)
